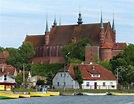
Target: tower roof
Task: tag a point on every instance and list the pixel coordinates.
(55, 23)
(47, 30)
(101, 22)
(79, 18)
(113, 26)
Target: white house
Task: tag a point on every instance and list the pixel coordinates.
(7, 77)
(94, 77)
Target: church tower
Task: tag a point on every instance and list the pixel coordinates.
(54, 23)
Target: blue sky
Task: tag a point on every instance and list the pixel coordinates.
(19, 18)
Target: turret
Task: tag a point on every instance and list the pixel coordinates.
(101, 31)
(47, 33)
(113, 29)
(79, 19)
(54, 23)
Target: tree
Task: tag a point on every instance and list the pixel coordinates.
(124, 63)
(76, 50)
(78, 76)
(40, 82)
(20, 56)
(1, 49)
(105, 64)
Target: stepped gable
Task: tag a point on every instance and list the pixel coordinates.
(119, 46)
(36, 40)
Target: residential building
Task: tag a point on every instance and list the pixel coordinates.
(7, 77)
(94, 77)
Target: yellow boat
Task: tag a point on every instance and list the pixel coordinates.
(6, 95)
(122, 94)
(53, 93)
(24, 95)
(39, 94)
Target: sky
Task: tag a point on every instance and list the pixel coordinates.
(19, 18)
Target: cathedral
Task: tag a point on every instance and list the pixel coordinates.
(48, 47)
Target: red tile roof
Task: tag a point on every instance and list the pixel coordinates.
(36, 40)
(8, 69)
(4, 54)
(88, 69)
(106, 45)
(62, 35)
(119, 46)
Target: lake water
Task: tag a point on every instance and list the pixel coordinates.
(72, 100)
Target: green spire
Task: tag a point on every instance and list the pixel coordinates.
(60, 21)
(47, 30)
(55, 23)
(79, 18)
(101, 22)
(113, 27)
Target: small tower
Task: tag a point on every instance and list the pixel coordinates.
(101, 31)
(113, 29)
(79, 19)
(47, 33)
(54, 23)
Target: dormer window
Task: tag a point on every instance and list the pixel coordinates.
(95, 75)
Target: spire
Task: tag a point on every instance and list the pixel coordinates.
(101, 22)
(46, 25)
(60, 21)
(79, 18)
(55, 23)
(113, 27)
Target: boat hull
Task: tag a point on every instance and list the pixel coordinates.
(8, 96)
(39, 94)
(24, 96)
(122, 94)
(94, 94)
(54, 93)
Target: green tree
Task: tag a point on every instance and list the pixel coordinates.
(76, 50)
(19, 80)
(124, 63)
(40, 82)
(78, 76)
(1, 49)
(105, 64)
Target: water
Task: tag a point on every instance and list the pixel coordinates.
(72, 100)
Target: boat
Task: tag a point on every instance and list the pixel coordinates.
(7, 95)
(23, 95)
(122, 94)
(53, 93)
(95, 94)
(39, 94)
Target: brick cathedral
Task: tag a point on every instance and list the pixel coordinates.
(48, 47)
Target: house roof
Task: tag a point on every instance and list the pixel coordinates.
(63, 35)
(7, 69)
(88, 69)
(119, 46)
(4, 54)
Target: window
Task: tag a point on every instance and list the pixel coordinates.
(5, 77)
(104, 84)
(58, 83)
(60, 75)
(111, 83)
(87, 84)
(64, 75)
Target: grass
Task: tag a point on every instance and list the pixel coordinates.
(75, 90)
